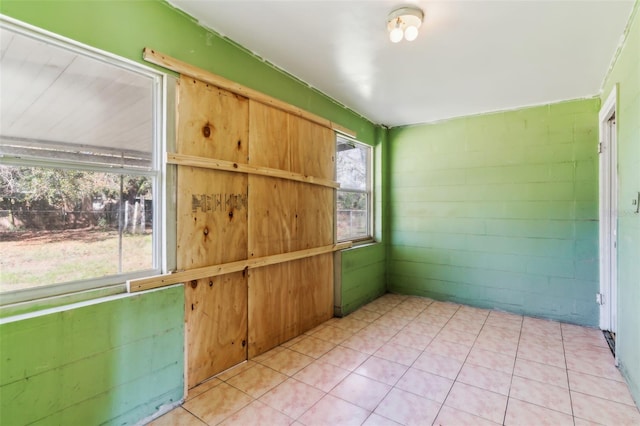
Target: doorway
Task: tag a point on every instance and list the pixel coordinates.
(607, 297)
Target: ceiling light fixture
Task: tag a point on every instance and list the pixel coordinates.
(404, 22)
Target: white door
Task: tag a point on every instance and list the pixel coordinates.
(608, 215)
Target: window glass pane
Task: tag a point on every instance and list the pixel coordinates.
(59, 225)
(353, 215)
(61, 104)
(351, 165)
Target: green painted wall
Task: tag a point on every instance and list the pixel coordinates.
(106, 362)
(626, 73)
(363, 269)
(499, 211)
(122, 358)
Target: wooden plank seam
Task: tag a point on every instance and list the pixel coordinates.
(230, 166)
(189, 70)
(149, 283)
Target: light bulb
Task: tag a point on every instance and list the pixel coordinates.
(395, 35)
(411, 33)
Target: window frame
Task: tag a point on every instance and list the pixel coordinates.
(369, 238)
(116, 283)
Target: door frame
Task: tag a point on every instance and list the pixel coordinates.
(608, 207)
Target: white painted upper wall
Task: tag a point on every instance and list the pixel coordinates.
(471, 57)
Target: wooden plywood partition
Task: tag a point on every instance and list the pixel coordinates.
(216, 325)
(255, 188)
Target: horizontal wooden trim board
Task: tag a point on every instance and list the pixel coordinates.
(184, 68)
(230, 166)
(149, 283)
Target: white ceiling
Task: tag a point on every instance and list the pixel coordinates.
(65, 102)
(470, 57)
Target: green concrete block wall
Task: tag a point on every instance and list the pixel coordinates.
(363, 268)
(108, 361)
(363, 276)
(626, 74)
(499, 211)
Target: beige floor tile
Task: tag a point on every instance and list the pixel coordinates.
(542, 394)
(582, 422)
(424, 328)
(397, 353)
(404, 312)
(382, 370)
(605, 370)
(438, 364)
(451, 417)
(546, 328)
(592, 354)
(203, 387)
(485, 378)
(376, 331)
(492, 360)
(292, 397)
(377, 420)
(441, 347)
(548, 344)
(331, 411)
(177, 417)
(525, 414)
(368, 345)
(444, 308)
(267, 354)
(258, 413)
(425, 384)
(537, 353)
(407, 408)
(364, 315)
(361, 391)
(257, 380)
(408, 338)
(288, 362)
(504, 320)
(496, 344)
(541, 372)
(293, 341)
(490, 332)
(457, 336)
(603, 411)
(600, 387)
(462, 324)
(235, 370)
(343, 357)
(432, 318)
(218, 403)
(509, 368)
(479, 402)
(321, 375)
(312, 347)
(333, 334)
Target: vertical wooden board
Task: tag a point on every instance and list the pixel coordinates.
(273, 311)
(212, 122)
(313, 216)
(212, 217)
(313, 278)
(312, 148)
(216, 324)
(271, 217)
(268, 137)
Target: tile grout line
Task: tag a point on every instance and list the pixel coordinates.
(513, 371)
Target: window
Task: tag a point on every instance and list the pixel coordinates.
(353, 170)
(80, 167)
